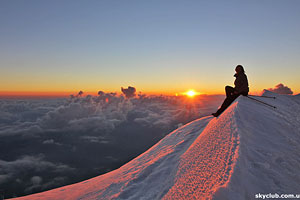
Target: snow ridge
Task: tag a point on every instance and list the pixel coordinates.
(269, 149)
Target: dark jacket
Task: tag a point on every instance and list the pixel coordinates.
(241, 83)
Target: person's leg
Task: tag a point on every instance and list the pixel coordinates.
(225, 104)
(229, 91)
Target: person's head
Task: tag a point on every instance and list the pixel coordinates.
(239, 69)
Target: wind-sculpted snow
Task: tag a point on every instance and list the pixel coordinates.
(208, 163)
(249, 149)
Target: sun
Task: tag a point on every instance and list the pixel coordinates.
(191, 93)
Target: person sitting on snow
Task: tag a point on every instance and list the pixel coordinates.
(241, 88)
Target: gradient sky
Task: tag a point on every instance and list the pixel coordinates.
(156, 46)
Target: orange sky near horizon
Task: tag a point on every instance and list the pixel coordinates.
(63, 93)
(169, 83)
(43, 82)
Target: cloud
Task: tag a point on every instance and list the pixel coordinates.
(36, 184)
(281, 89)
(101, 93)
(36, 180)
(51, 141)
(128, 92)
(80, 93)
(63, 141)
(26, 163)
(21, 173)
(95, 139)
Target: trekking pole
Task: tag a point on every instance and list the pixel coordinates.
(262, 96)
(261, 102)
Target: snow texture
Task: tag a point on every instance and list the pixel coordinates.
(249, 149)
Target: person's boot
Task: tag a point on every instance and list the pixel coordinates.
(216, 114)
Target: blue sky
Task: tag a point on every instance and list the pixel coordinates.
(156, 46)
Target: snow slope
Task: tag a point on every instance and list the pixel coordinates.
(249, 149)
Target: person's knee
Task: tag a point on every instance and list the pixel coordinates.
(228, 89)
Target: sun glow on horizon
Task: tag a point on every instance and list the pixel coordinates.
(191, 93)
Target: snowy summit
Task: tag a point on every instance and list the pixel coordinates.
(249, 149)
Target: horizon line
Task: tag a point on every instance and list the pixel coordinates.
(93, 93)
(61, 94)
